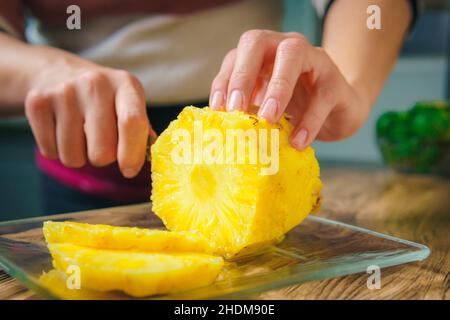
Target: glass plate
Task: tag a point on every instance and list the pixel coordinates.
(317, 249)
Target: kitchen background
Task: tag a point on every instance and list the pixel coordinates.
(422, 73)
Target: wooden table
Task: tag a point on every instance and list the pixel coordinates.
(412, 207)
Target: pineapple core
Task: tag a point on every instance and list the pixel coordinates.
(233, 178)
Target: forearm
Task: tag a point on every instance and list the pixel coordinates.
(20, 65)
(365, 57)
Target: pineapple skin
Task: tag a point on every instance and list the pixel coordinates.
(135, 273)
(235, 207)
(124, 238)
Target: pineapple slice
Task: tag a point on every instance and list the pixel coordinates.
(56, 282)
(123, 238)
(135, 273)
(222, 192)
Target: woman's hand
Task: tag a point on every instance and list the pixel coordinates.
(81, 112)
(282, 72)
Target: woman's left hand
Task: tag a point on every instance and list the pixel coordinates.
(282, 72)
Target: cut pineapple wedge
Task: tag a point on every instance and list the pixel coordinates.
(235, 204)
(135, 273)
(124, 238)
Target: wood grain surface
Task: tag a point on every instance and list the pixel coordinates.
(411, 207)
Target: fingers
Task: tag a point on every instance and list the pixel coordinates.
(99, 115)
(235, 83)
(261, 84)
(38, 109)
(219, 85)
(290, 60)
(133, 126)
(250, 55)
(321, 102)
(260, 91)
(97, 100)
(69, 128)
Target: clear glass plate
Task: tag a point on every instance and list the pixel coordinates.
(317, 249)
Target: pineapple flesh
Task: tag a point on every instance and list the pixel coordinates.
(138, 274)
(56, 282)
(222, 193)
(124, 238)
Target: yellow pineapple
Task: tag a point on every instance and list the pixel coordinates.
(124, 238)
(208, 178)
(136, 273)
(56, 282)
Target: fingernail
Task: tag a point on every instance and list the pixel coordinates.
(236, 100)
(258, 99)
(217, 100)
(299, 140)
(269, 109)
(129, 173)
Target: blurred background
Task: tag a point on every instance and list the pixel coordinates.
(422, 73)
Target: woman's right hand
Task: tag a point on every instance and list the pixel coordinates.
(81, 112)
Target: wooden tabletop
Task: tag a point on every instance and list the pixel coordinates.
(411, 207)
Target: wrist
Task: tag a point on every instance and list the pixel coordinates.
(19, 66)
(365, 97)
(44, 61)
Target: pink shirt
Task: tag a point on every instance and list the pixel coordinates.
(106, 182)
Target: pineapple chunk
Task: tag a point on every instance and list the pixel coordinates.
(135, 273)
(234, 203)
(123, 238)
